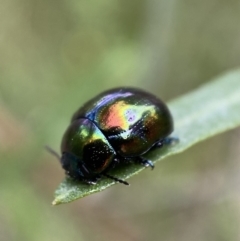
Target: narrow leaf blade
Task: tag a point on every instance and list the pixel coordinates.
(201, 114)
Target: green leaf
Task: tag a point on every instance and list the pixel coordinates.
(207, 111)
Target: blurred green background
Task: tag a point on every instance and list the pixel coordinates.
(55, 55)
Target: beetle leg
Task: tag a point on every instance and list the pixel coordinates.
(167, 141)
(92, 180)
(159, 144)
(145, 162)
(115, 179)
(114, 163)
(171, 141)
(116, 160)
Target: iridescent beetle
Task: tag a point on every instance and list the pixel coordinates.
(119, 125)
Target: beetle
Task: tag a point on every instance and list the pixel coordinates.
(117, 126)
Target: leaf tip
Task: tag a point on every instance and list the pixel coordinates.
(55, 202)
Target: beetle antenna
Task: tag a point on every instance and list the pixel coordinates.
(54, 153)
(115, 179)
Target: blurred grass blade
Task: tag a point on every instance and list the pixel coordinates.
(207, 111)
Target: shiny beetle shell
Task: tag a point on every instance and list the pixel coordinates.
(115, 126)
